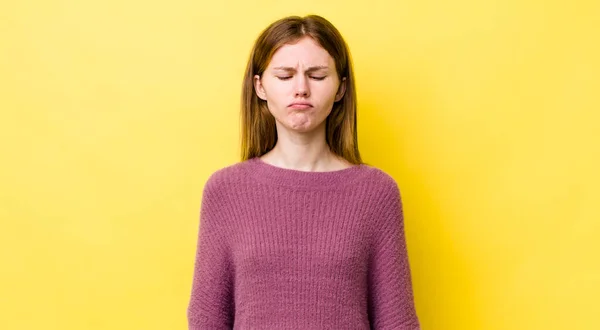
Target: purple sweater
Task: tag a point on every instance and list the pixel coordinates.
(288, 249)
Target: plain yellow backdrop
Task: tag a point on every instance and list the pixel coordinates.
(114, 113)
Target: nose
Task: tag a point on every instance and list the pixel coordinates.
(301, 86)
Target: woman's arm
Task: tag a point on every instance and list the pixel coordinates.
(391, 304)
(211, 302)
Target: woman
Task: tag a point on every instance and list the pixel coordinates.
(301, 234)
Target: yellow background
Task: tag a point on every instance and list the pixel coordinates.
(114, 113)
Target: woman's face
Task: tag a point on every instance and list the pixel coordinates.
(300, 85)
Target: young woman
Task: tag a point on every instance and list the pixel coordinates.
(301, 234)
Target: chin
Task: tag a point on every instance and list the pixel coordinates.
(301, 124)
(300, 129)
(303, 128)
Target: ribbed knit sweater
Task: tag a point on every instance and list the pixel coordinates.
(288, 249)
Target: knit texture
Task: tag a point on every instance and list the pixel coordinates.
(288, 249)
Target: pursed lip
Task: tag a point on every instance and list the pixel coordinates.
(300, 104)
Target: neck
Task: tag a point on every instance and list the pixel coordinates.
(304, 152)
(301, 157)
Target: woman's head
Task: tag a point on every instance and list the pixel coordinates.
(295, 61)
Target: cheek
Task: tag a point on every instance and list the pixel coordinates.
(277, 104)
(276, 93)
(326, 95)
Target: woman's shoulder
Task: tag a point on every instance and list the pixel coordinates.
(379, 175)
(381, 181)
(228, 174)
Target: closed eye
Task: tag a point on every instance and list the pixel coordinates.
(288, 77)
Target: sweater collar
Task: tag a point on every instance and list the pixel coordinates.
(271, 174)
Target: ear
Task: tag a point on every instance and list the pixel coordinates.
(341, 90)
(259, 88)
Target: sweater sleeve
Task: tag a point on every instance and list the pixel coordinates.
(211, 302)
(391, 302)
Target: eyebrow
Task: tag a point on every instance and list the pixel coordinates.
(310, 69)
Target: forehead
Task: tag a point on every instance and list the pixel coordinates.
(305, 52)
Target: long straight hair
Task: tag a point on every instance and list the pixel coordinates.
(258, 130)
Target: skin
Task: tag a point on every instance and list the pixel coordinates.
(301, 72)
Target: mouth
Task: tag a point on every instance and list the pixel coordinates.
(300, 105)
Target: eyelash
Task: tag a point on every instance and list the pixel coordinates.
(288, 77)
